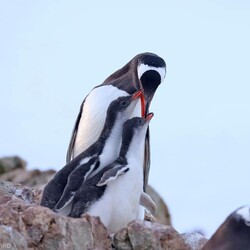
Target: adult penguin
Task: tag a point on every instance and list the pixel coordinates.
(145, 71)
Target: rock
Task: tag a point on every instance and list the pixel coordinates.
(11, 239)
(162, 214)
(9, 191)
(148, 235)
(194, 240)
(8, 164)
(121, 240)
(41, 227)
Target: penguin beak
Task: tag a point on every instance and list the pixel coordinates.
(137, 94)
(149, 117)
(143, 105)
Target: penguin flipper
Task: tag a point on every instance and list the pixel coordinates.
(148, 203)
(64, 201)
(51, 194)
(73, 135)
(55, 187)
(112, 174)
(75, 180)
(85, 197)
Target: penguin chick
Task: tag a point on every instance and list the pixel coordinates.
(114, 193)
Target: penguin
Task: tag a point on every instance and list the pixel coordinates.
(234, 233)
(101, 153)
(146, 71)
(114, 193)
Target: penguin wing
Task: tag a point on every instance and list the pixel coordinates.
(84, 198)
(75, 180)
(54, 189)
(74, 133)
(112, 174)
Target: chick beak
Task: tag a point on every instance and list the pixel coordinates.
(149, 116)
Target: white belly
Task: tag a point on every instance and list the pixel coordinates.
(120, 202)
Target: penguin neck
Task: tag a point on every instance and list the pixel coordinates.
(111, 139)
(133, 148)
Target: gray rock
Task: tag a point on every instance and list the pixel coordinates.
(31, 178)
(121, 240)
(11, 239)
(8, 164)
(194, 240)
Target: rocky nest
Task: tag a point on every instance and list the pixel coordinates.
(24, 224)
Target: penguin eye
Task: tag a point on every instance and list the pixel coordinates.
(140, 122)
(123, 103)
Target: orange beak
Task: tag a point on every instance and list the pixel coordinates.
(137, 94)
(143, 105)
(149, 116)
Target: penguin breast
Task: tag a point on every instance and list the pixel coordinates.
(93, 115)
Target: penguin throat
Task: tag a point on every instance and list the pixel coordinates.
(150, 81)
(133, 147)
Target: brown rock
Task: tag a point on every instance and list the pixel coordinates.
(41, 228)
(148, 235)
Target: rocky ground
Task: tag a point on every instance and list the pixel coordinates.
(24, 224)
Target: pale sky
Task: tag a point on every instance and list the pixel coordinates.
(52, 53)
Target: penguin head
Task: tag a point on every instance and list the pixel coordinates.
(133, 135)
(136, 126)
(146, 71)
(122, 108)
(151, 71)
